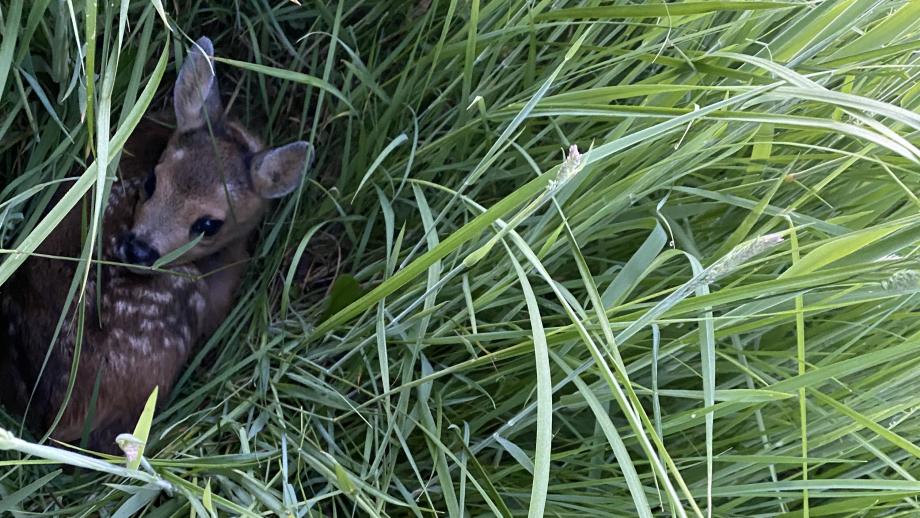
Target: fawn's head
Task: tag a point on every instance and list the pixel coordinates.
(214, 179)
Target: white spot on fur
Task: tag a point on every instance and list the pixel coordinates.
(160, 297)
(150, 310)
(123, 308)
(198, 302)
(148, 325)
(140, 343)
(179, 154)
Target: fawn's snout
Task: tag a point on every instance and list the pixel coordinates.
(137, 251)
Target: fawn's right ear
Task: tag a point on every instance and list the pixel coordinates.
(276, 172)
(196, 98)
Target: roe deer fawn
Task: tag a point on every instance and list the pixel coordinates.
(213, 182)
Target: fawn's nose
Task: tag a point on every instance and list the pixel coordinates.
(138, 251)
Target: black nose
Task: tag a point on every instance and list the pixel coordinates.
(137, 251)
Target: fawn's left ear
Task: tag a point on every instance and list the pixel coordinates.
(276, 172)
(196, 97)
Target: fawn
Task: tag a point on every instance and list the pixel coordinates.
(213, 181)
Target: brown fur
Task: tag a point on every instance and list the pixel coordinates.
(141, 331)
(129, 367)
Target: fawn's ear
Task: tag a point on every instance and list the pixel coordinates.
(278, 171)
(196, 98)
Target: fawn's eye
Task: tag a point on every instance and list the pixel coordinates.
(206, 226)
(150, 184)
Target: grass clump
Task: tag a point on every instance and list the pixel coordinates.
(590, 257)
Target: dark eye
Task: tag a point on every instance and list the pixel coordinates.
(150, 184)
(206, 226)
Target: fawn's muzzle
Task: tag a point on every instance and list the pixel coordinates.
(136, 251)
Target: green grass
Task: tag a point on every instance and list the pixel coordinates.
(713, 310)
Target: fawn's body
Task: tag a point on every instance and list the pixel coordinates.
(207, 179)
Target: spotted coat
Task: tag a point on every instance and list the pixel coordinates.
(136, 336)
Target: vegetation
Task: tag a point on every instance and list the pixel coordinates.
(591, 258)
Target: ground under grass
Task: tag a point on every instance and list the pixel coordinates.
(590, 258)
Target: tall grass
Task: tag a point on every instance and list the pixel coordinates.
(592, 258)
